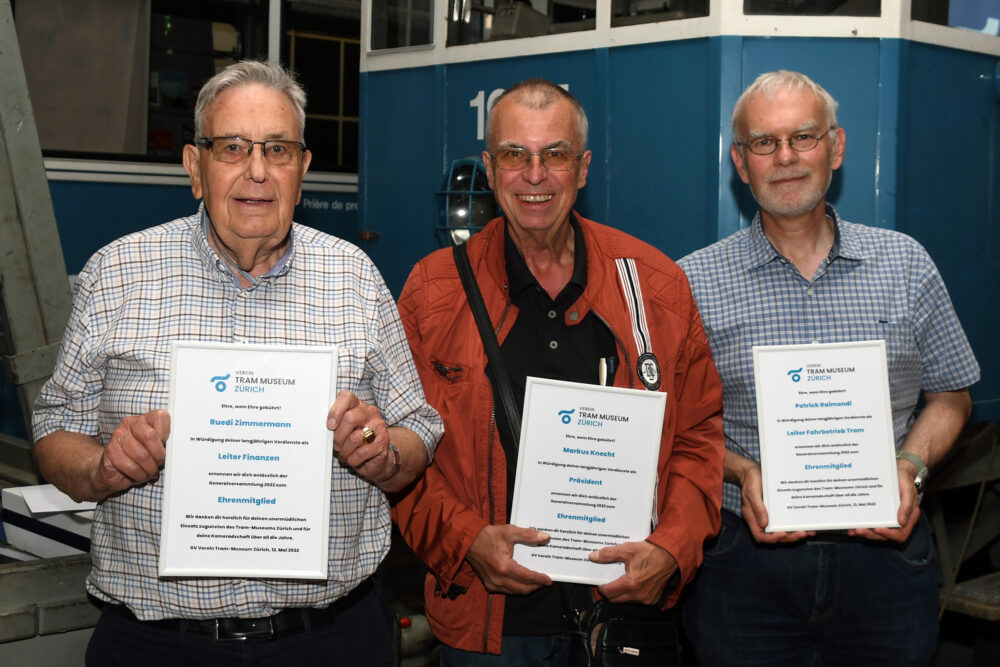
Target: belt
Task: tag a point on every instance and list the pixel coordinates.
(285, 622)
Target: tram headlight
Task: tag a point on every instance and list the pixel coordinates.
(468, 201)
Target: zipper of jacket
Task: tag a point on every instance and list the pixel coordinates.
(489, 483)
(621, 346)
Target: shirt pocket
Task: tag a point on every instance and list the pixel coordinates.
(901, 351)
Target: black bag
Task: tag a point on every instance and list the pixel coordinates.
(605, 634)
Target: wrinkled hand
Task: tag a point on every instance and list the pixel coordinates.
(755, 514)
(136, 451)
(348, 414)
(491, 557)
(909, 512)
(648, 569)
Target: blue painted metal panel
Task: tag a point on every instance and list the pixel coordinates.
(727, 59)
(662, 143)
(949, 188)
(401, 166)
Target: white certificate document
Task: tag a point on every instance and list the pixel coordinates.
(586, 474)
(827, 452)
(247, 475)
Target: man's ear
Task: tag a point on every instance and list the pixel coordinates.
(584, 163)
(303, 168)
(488, 163)
(192, 164)
(839, 144)
(741, 166)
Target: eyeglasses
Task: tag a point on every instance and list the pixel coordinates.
(553, 159)
(800, 142)
(278, 152)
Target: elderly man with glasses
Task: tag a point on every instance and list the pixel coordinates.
(800, 274)
(237, 271)
(566, 297)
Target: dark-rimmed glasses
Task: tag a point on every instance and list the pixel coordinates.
(278, 152)
(800, 142)
(554, 159)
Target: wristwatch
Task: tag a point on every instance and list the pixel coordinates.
(918, 463)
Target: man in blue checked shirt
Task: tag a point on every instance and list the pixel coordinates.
(800, 274)
(238, 270)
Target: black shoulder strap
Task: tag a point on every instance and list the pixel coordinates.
(490, 344)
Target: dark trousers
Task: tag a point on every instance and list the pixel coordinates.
(516, 651)
(361, 635)
(849, 602)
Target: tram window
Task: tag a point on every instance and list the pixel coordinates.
(321, 44)
(474, 21)
(188, 44)
(978, 15)
(118, 79)
(631, 12)
(814, 7)
(401, 23)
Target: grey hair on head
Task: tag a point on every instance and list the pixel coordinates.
(249, 72)
(539, 94)
(770, 84)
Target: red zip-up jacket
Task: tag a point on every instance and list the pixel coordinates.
(465, 487)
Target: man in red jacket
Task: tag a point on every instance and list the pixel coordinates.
(557, 294)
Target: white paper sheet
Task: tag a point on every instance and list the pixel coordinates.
(826, 442)
(247, 476)
(586, 474)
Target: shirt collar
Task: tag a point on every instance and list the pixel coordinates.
(846, 245)
(519, 277)
(212, 258)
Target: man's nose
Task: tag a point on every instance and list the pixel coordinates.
(257, 164)
(535, 170)
(785, 153)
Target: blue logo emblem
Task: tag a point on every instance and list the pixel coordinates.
(220, 382)
(795, 374)
(566, 415)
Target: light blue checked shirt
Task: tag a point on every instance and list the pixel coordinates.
(875, 284)
(166, 283)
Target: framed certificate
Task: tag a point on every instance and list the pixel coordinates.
(827, 452)
(247, 475)
(586, 474)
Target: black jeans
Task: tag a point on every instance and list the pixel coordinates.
(361, 635)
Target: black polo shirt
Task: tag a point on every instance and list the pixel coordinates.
(540, 344)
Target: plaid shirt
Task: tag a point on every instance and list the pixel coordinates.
(166, 283)
(874, 284)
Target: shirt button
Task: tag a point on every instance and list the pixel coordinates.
(809, 291)
(553, 344)
(552, 314)
(574, 316)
